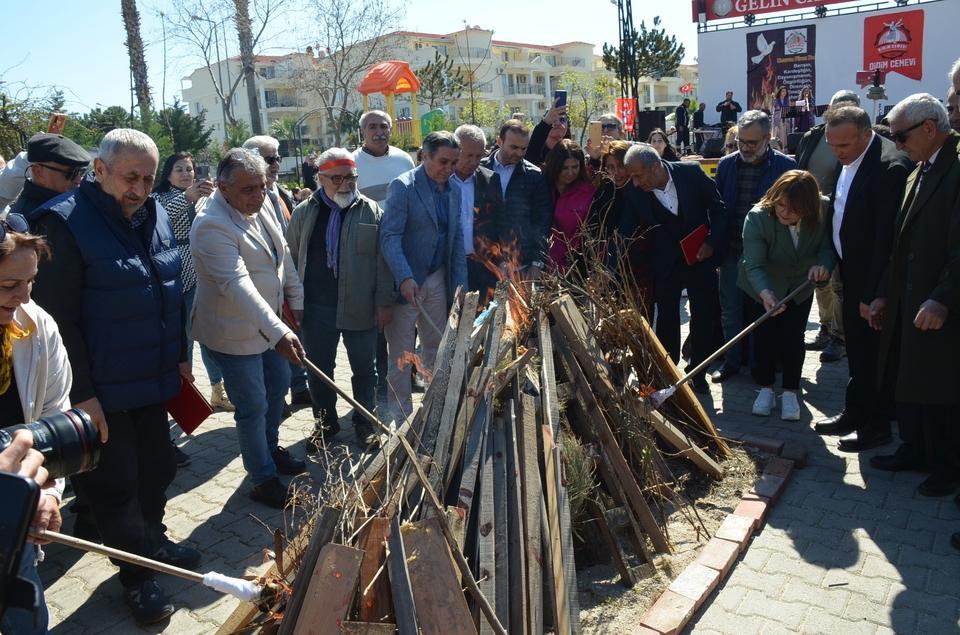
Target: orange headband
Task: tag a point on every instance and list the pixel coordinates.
(337, 163)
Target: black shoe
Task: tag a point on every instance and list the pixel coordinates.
(287, 411)
(723, 373)
(700, 386)
(834, 351)
(864, 440)
(182, 458)
(417, 385)
(271, 493)
(365, 433)
(169, 552)
(936, 485)
(902, 460)
(286, 464)
(85, 528)
(840, 425)
(821, 341)
(148, 603)
(323, 432)
(301, 398)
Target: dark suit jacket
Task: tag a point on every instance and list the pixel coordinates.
(525, 215)
(867, 229)
(683, 117)
(700, 202)
(808, 143)
(925, 265)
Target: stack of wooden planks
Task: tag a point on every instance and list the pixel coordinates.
(473, 487)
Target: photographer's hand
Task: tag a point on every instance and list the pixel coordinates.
(92, 407)
(47, 516)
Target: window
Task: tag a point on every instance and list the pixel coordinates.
(268, 72)
(506, 56)
(417, 46)
(270, 98)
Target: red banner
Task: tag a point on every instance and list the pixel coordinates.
(721, 9)
(627, 110)
(893, 43)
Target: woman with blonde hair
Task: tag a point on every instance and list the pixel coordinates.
(785, 243)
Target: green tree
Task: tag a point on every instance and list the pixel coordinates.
(237, 133)
(285, 129)
(440, 82)
(589, 95)
(184, 131)
(489, 114)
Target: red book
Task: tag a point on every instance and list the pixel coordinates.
(692, 242)
(189, 408)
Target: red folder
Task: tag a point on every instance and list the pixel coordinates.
(692, 242)
(189, 408)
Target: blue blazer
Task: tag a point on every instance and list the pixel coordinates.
(408, 231)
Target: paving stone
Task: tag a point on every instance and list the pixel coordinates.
(769, 486)
(762, 443)
(779, 466)
(830, 599)
(786, 614)
(754, 508)
(719, 554)
(817, 622)
(696, 582)
(736, 529)
(669, 613)
(796, 452)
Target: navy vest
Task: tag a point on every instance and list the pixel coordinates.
(132, 296)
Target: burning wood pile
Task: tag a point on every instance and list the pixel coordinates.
(536, 421)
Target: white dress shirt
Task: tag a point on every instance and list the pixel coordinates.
(466, 211)
(844, 181)
(668, 196)
(505, 172)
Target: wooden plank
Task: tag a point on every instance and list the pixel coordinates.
(686, 447)
(515, 518)
(366, 628)
(550, 408)
(404, 605)
(532, 500)
(466, 420)
(566, 539)
(486, 531)
(561, 608)
(501, 520)
(441, 606)
(376, 602)
(617, 556)
(330, 591)
(441, 379)
(473, 461)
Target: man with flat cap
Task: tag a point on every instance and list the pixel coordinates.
(57, 165)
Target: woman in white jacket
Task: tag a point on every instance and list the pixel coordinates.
(35, 380)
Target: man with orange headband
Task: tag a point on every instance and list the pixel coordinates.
(334, 241)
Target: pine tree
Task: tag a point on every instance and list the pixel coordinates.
(440, 82)
(655, 55)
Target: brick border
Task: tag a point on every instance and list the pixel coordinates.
(691, 589)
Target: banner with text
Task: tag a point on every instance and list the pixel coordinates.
(720, 9)
(780, 57)
(893, 43)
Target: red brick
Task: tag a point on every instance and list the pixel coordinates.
(754, 509)
(669, 614)
(779, 466)
(795, 452)
(696, 582)
(719, 554)
(769, 486)
(736, 529)
(764, 444)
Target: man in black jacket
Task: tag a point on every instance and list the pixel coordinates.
(864, 207)
(729, 110)
(683, 126)
(479, 210)
(57, 165)
(676, 200)
(524, 214)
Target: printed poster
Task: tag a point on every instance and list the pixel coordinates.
(893, 43)
(780, 57)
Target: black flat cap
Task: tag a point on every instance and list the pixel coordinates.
(55, 148)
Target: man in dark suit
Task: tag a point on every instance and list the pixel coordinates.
(683, 126)
(729, 110)
(521, 197)
(675, 199)
(919, 301)
(863, 210)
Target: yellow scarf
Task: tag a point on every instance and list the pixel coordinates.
(10, 332)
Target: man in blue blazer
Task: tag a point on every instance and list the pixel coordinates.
(421, 239)
(675, 200)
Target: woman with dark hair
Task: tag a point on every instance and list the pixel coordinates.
(658, 139)
(785, 243)
(780, 105)
(808, 110)
(178, 191)
(565, 170)
(554, 126)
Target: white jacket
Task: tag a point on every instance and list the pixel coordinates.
(242, 281)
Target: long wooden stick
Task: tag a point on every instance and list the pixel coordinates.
(434, 501)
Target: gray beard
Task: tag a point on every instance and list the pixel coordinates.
(345, 199)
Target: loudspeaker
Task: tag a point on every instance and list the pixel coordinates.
(712, 148)
(647, 120)
(793, 142)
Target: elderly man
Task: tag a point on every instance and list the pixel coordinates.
(953, 108)
(114, 290)
(478, 209)
(57, 165)
(815, 156)
(864, 208)
(743, 177)
(679, 202)
(378, 162)
(919, 300)
(422, 242)
(334, 241)
(244, 275)
(526, 211)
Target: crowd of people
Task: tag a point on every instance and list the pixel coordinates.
(120, 273)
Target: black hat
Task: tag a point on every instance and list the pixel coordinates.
(56, 148)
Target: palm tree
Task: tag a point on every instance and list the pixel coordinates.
(285, 129)
(138, 62)
(245, 35)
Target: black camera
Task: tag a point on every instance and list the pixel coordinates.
(68, 441)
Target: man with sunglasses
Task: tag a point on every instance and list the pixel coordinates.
(334, 241)
(57, 165)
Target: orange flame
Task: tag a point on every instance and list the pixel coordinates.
(412, 359)
(503, 260)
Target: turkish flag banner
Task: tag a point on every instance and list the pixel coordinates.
(627, 110)
(893, 43)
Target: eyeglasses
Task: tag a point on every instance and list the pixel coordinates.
(71, 174)
(900, 136)
(339, 179)
(609, 126)
(14, 223)
(749, 144)
(272, 159)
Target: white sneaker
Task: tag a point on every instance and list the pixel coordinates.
(765, 402)
(789, 406)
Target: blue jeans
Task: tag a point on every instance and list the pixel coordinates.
(320, 339)
(731, 308)
(17, 621)
(256, 385)
(210, 364)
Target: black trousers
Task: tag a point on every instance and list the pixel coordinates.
(931, 433)
(864, 401)
(779, 338)
(127, 491)
(700, 281)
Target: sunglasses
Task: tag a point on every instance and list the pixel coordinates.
(71, 174)
(900, 136)
(272, 159)
(609, 126)
(13, 223)
(339, 179)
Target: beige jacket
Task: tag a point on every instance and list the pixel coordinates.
(242, 279)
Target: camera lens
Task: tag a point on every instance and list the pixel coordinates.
(68, 441)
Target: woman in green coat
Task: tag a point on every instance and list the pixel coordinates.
(785, 242)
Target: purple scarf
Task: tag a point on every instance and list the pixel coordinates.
(333, 234)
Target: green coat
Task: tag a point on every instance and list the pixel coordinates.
(924, 265)
(364, 281)
(770, 261)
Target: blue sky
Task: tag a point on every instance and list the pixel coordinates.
(94, 68)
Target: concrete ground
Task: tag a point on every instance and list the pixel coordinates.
(847, 549)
